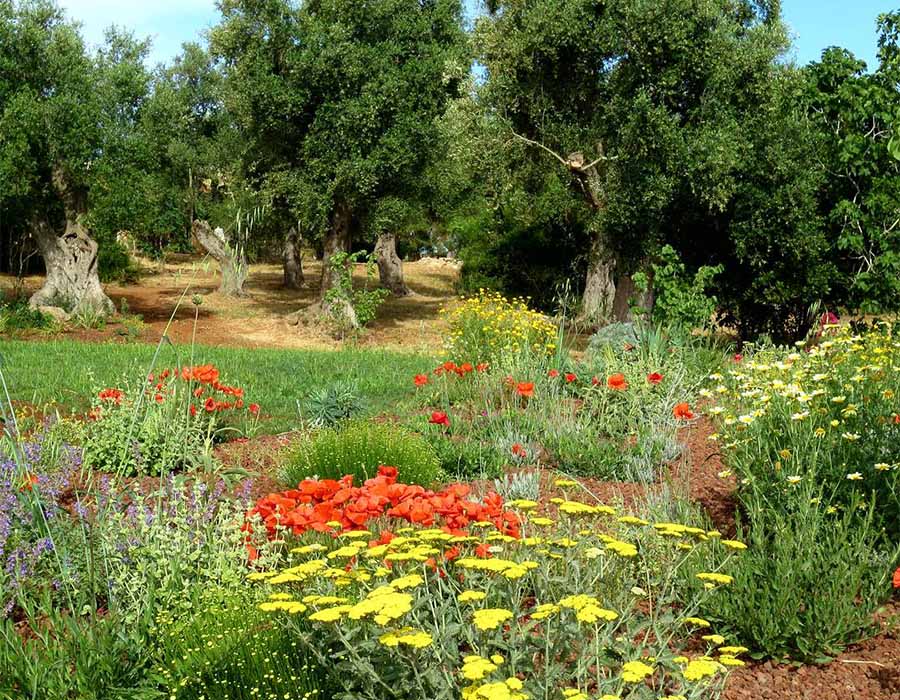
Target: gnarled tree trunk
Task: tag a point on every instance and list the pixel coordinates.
(628, 296)
(292, 258)
(72, 283)
(230, 255)
(337, 240)
(598, 300)
(390, 267)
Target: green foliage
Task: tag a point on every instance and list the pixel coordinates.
(365, 302)
(359, 448)
(227, 649)
(681, 300)
(145, 436)
(328, 406)
(808, 583)
(16, 315)
(337, 101)
(73, 658)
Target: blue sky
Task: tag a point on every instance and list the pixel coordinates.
(815, 24)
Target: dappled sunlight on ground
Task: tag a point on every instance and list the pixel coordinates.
(259, 318)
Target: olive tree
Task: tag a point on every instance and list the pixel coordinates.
(628, 102)
(336, 101)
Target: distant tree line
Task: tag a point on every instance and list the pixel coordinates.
(551, 144)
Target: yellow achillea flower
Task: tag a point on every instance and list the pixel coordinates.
(592, 613)
(523, 504)
(698, 669)
(540, 521)
(544, 610)
(289, 606)
(713, 638)
(732, 650)
(729, 660)
(697, 622)
(491, 618)
(471, 596)
(574, 694)
(412, 638)
(715, 578)
(477, 667)
(734, 544)
(636, 671)
(632, 520)
(623, 549)
(330, 614)
(404, 582)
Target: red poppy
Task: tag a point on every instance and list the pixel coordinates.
(897, 419)
(525, 389)
(519, 451)
(466, 367)
(483, 551)
(682, 411)
(481, 366)
(595, 381)
(654, 377)
(617, 382)
(210, 405)
(738, 357)
(114, 395)
(570, 377)
(420, 379)
(439, 418)
(158, 398)
(896, 579)
(252, 552)
(553, 373)
(193, 410)
(254, 409)
(29, 483)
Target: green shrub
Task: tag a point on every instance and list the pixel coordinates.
(228, 649)
(65, 657)
(327, 407)
(359, 448)
(16, 315)
(808, 583)
(145, 437)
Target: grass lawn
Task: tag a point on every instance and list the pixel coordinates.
(68, 372)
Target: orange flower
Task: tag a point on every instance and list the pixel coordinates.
(420, 379)
(481, 366)
(466, 367)
(617, 382)
(654, 377)
(570, 377)
(896, 579)
(682, 411)
(525, 389)
(29, 483)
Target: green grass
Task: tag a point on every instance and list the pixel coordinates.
(68, 372)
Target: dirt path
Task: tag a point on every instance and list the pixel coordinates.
(258, 320)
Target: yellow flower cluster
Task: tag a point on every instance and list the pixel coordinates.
(488, 324)
(431, 593)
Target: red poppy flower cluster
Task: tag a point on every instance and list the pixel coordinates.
(112, 395)
(316, 503)
(213, 396)
(462, 370)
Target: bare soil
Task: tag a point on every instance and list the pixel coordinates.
(162, 298)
